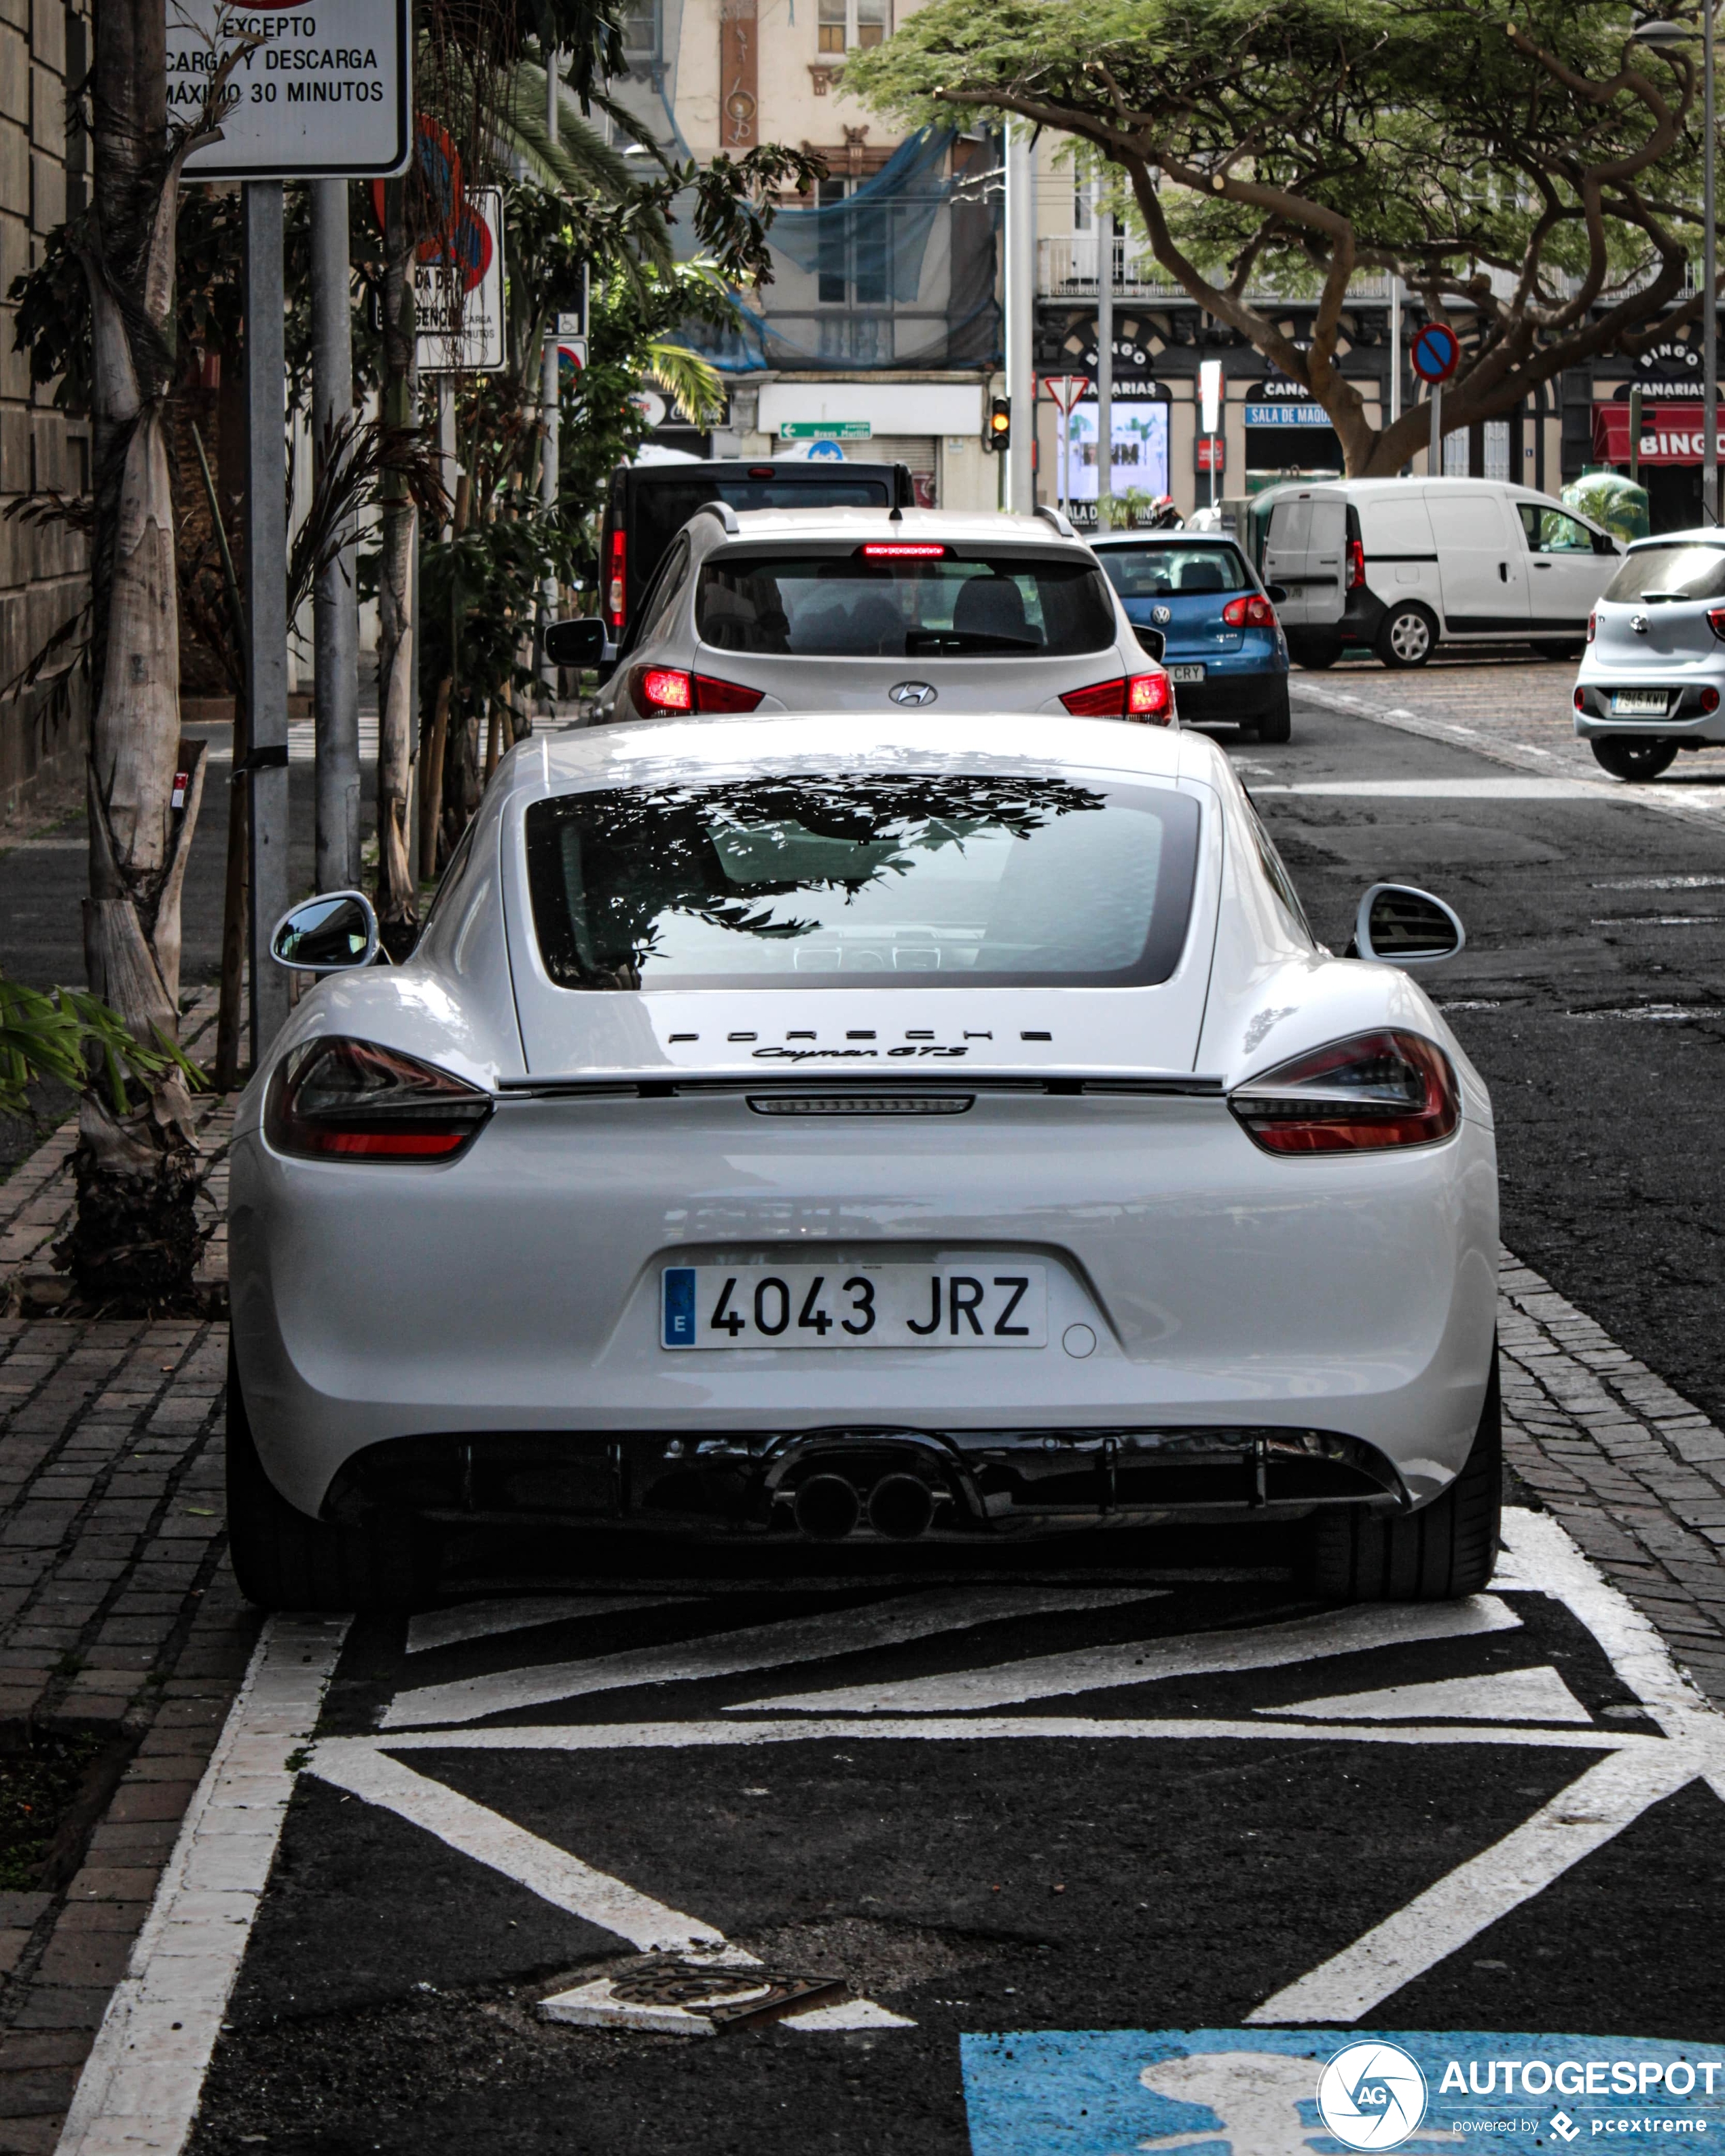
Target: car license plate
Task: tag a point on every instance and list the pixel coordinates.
(1178, 674)
(1638, 703)
(993, 1303)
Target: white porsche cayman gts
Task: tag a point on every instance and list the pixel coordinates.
(787, 1129)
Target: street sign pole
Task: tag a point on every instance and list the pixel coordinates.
(1105, 369)
(550, 412)
(336, 599)
(1434, 455)
(266, 602)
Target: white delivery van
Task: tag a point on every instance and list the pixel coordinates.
(1403, 565)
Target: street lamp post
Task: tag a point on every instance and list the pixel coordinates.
(1664, 33)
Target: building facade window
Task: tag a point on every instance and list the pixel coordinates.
(853, 267)
(845, 24)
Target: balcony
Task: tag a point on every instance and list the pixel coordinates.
(1066, 269)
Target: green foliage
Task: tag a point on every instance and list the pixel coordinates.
(59, 1033)
(1439, 138)
(478, 594)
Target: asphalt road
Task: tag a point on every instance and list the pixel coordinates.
(1107, 1859)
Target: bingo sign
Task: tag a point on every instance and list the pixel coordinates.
(1436, 353)
(458, 290)
(317, 89)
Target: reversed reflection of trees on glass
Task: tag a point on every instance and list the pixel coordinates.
(798, 882)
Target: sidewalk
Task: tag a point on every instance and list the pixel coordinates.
(119, 1616)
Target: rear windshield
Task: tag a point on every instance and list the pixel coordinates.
(810, 604)
(662, 507)
(1670, 572)
(829, 882)
(1152, 572)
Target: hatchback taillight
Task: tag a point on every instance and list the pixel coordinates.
(337, 1099)
(664, 692)
(1364, 1095)
(1593, 625)
(1149, 698)
(1251, 610)
(616, 583)
(1716, 622)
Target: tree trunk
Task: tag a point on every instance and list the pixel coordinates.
(135, 1239)
(398, 914)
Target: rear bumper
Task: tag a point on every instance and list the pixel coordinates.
(1683, 719)
(754, 1485)
(1205, 1285)
(1222, 699)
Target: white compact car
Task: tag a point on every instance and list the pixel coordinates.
(1654, 669)
(812, 1128)
(867, 609)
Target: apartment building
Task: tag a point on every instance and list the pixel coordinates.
(44, 45)
(883, 321)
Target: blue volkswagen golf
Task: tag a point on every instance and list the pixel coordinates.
(1225, 650)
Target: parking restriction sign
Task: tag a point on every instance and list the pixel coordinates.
(318, 88)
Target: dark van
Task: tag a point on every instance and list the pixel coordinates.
(648, 505)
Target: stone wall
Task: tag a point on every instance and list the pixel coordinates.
(44, 45)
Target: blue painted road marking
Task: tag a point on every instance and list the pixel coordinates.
(1255, 2091)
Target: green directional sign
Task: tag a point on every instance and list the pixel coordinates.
(825, 430)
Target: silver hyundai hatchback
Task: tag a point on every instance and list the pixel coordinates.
(858, 609)
(1653, 675)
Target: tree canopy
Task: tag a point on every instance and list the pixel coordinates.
(1533, 174)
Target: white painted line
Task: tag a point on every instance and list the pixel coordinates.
(1145, 1662)
(487, 1621)
(1538, 1545)
(1536, 1695)
(752, 1647)
(1533, 788)
(848, 2014)
(359, 1766)
(959, 1729)
(140, 2087)
(1580, 1818)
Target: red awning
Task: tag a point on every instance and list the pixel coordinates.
(1670, 434)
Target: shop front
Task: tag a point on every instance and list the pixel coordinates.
(1287, 436)
(1667, 452)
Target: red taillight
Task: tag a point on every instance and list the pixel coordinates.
(1150, 697)
(615, 584)
(902, 550)
(1710, 700)
(1580, 699)
(342, 1100)
(1355, 564)
(712, 695)
(1144, 696)
(1251, 610)
(659, 690)
(1716, 622)
(1101, 700)
(1592, 624)
(668, 692)
(1376, 1091)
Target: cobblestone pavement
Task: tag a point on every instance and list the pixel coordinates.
(1515, 712)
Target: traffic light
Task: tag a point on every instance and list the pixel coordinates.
(999, 433)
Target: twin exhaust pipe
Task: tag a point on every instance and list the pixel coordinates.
(900, 1507)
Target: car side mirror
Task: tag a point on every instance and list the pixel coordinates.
(1403, 927)
(328, 934)
(1276, 594)
(1152, 641)
(580, 643)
